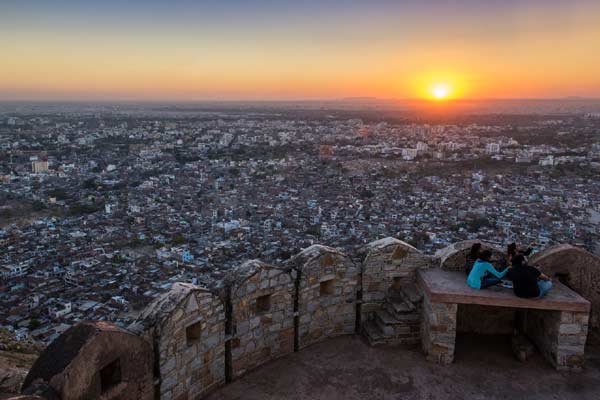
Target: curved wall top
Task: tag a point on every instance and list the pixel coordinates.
(453, 257)
(577, 268)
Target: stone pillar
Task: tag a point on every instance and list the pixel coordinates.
(438, 331)
(560, 336)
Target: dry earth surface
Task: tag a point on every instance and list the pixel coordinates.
(346, 368)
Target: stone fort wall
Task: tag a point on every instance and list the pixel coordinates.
(199, 339)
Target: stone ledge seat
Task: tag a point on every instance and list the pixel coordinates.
(451, 287)
(557, 323)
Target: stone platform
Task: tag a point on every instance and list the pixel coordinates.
(558, 323)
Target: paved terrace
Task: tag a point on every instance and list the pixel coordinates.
(346, 368)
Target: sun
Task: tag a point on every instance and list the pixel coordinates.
(440, 91)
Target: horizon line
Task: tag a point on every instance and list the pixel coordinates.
(293, 100)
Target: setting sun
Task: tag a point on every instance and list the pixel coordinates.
(440, 91)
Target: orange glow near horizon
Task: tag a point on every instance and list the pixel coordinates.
(492, 51)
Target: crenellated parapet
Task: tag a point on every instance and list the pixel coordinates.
(576, 268)
(261, 298)
(389, 261)
(454, 256)
(192, 340)
(93, 360)
(326, 291)
(187, 328)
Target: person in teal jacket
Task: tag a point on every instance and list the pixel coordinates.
(477, 278)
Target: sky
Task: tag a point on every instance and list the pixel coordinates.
(297, 50)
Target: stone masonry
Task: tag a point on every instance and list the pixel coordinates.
(200, 339)
(187, 326)
(454, 256)
(578, 269)
(560, 336)
(391, 309)
(438, 331)
(327, 294)
(262, 314)
(388, 262)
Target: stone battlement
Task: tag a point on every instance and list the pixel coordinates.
(191, 340)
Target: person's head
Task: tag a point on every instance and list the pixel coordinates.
(511, 249)
(475, 249)
(519, 260)
(485, 255)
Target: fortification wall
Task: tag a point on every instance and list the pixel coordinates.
(389, 262)
(198, 339)
(262, 301)
(454, 256)
(578, 269)
(327, 289)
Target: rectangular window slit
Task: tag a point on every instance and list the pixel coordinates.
(327, 288)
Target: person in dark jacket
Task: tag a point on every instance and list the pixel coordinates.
(513, 249)
(528, 281)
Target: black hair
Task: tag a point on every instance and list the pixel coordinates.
(485, 255)
(475, 249)
(518, 260)
(511, 249)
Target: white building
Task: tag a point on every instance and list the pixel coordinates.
(13, 271)
(39, 167)
(547, 161)
(65, 309)
(492, 148)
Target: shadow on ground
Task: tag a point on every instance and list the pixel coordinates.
(346, 368)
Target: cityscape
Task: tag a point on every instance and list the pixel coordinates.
(336, 200)
(104, 211)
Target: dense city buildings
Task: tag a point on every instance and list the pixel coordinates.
(103, 208)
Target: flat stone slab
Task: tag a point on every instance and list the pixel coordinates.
(451, 287)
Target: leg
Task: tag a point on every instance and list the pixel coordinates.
(544, 287)
(490, 281)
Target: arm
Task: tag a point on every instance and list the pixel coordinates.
(490, 268)
(545, 277)
(539, 274)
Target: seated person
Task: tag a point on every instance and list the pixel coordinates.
(479, 277)
(472, 257)
(528, 282)
(513, 249)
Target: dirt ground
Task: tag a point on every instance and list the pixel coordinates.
(347, 368)
(13, 369)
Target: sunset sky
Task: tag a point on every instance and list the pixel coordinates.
(268, 50)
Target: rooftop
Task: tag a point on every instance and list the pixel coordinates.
(346, 368)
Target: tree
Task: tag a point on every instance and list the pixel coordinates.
(5, 213)
(58, 193)
(476, 224)
(38, 205)
(314, 230)
(34, 323)
(178, 239)
(89, 184)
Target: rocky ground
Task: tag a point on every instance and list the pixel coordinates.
(15, 360)
(484, 368)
